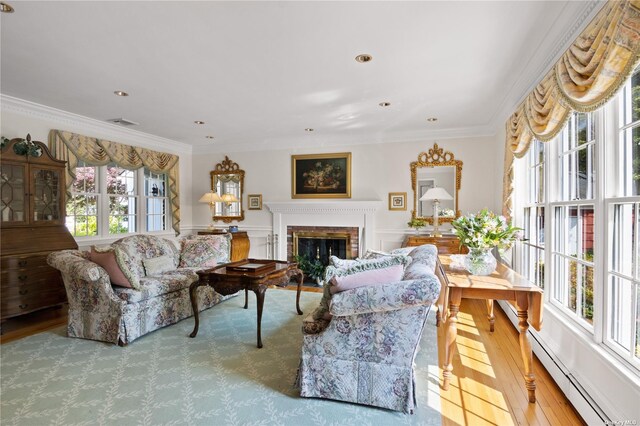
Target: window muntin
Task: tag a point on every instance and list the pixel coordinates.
(82, 206)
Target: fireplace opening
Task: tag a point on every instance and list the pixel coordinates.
(319, 246)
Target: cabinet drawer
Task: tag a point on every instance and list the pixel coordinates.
(32, 302)
(20, 262)
(20, 277)
(33, 288)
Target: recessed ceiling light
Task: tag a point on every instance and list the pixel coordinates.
(120, 93)
(308, 129)
(432, 119)
(364, 58)
(5, 7)
(199, 122)
(384, 104)
(209, 137)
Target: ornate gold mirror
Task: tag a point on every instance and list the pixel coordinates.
(436, 170)
(227, 180)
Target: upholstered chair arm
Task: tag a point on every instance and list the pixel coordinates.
(86, 282)
(387, 297)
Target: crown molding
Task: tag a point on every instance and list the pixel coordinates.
(90, 126)
(334, 139)
(569, 24)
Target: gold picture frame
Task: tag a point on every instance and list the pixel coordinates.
(398, 201)
(321, 175)
(254, 201)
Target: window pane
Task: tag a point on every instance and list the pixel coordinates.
(558, 235)
(560, 268)
(623, 239)
(585, 172)
(586, 227)
(587, 293)
(585, 128)
(630, 152)
(635, 97)
(637, 342)
(572, 237)
(539, 268)
(540, 226)
(574, 277)
(620, 314)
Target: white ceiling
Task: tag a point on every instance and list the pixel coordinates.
(259, 73)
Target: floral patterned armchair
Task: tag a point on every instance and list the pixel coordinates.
(366, 352)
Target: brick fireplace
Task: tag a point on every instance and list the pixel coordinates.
(357, 218)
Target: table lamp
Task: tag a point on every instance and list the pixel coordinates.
(212, 198)
(436, 194)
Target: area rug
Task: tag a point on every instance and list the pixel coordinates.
(167, 378)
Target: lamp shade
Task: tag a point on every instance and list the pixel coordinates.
(229, 198)
(436, 193)
(210, 197)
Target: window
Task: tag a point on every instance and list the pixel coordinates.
(105, 200)
(623, 264)
(121, 191)
(583, 188)
(82, 207)
(574, 217)
(156, 201)
(533, 218)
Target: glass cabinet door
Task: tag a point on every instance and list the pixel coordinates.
(13, 207)
(46, 194)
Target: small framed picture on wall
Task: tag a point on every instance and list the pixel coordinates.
(397, 201)
(255, 201)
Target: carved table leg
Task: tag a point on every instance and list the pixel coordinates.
(246, 298)
(194, 305)
(490, 316)
(300, 280)
(522, 304)
(260, 291)
(451, 333)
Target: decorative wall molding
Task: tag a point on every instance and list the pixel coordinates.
(323, 207)
(91, 127)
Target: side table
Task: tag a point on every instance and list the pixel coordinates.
(502, 284)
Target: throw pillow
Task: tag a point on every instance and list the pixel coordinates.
(402, 251)
(158, 265)
(341, 263)
(376, 254)
(368, 278)
(204, 251)
(107, 259)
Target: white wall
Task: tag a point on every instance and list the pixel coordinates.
(377, 169)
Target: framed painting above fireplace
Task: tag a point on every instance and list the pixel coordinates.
(321, 175)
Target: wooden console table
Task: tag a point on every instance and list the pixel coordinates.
(446, 244)
(502, 284)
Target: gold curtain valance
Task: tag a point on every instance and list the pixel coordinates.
(72, 148)
(587, 75)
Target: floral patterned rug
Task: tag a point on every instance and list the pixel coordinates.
(217, 378)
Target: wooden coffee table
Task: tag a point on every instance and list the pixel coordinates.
(249, 274)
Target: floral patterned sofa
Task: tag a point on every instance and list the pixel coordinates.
(101, 311)
(365, 352)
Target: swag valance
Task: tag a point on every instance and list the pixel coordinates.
(72, 148)
(587, 75)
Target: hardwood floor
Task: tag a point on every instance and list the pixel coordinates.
(487, 386)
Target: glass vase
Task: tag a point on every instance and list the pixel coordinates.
(480, 261)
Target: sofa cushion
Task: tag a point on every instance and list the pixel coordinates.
(368, 278)
(424, 255)
(107, 259)
(157, 285)
(131, 251)
(204, 251)
(158, 265)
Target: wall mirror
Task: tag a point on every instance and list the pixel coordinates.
(227, 180)
(436, 168)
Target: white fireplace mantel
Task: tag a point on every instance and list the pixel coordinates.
(360, 213)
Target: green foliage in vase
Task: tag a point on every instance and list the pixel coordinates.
(313, 268)
(485, 230)
(416, 223)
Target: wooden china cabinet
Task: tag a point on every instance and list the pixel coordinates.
(32, 225)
